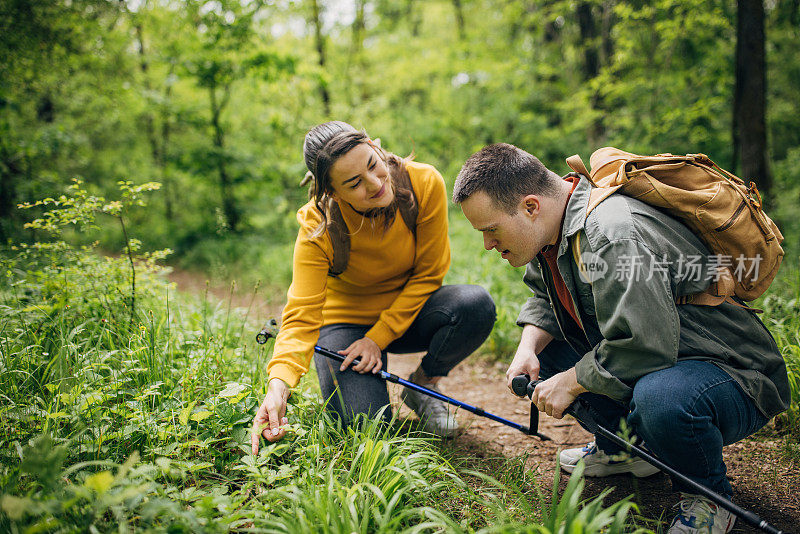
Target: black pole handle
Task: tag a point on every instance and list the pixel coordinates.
(522, 386)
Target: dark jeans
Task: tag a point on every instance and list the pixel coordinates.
(684, 414)
(454, 321)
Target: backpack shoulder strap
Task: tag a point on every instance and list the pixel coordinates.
(597, 194)
(340, 240)
(576, 255)
(576, 164)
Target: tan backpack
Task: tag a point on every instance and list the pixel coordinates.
(717, 206)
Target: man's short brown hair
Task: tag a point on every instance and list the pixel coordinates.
(506, 174)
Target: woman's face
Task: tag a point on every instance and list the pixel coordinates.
(361, 178)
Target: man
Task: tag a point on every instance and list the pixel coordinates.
(603, 323)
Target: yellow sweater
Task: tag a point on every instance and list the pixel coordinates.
(388, 278)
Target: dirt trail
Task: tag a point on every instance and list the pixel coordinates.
(259, 308)
(763, 480)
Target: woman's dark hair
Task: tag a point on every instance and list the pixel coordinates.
(323, 146)
(319, 136)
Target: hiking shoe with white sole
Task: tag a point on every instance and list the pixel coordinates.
(600, 464)
(699, 515)
(433, 413)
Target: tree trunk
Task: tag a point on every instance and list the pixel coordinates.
(229, 209)
(320, 44)
(8, 194)
(750, 102)
(166, 179)
(607, 24)
(12, 173)
(357, 56)
(359, 27)
(459, 19)
(589, 42)
(413, 17)
(150, 127)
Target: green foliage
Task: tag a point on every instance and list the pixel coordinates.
(785, 205)
(119, 425)
(782, 315)
(81, 208)
(101, 496)
(565, 513)
(212, 99)
(247, 260)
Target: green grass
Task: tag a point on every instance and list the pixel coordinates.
(781, 307)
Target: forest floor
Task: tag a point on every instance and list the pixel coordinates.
(765, 480)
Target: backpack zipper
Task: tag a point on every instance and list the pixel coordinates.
(727, 224)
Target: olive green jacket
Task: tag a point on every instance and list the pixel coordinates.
(636, 262)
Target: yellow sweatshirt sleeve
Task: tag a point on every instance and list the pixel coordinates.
(302, 316)
(431, 262)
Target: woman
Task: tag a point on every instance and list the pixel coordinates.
(385, 296)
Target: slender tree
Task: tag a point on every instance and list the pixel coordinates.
(460, 24)
(414, 17)
(228, 36)
(157, 138)
(357, 54)
(319, 42)
(590, 44)
(750, 101)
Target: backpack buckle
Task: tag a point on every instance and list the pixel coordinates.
(755, 196)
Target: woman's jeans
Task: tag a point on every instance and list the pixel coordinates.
(454, 322)
(684, 414)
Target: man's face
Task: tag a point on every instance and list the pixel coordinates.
(515, 236)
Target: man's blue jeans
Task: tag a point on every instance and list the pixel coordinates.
(453, 323)
(684, 414)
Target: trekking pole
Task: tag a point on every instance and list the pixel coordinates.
(532, 430)
(583, 412)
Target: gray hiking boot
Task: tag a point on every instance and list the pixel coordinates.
(434, 414)
(599, 464)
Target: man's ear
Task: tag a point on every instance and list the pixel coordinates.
(531, 204)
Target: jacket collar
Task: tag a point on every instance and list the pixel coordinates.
(575, 213)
